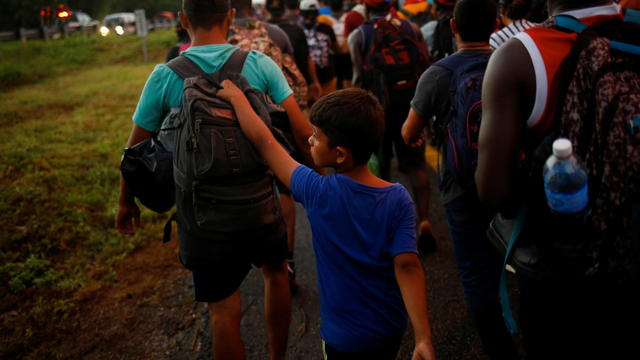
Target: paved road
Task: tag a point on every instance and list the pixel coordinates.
(454, 337)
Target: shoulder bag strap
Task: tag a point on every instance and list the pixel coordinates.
(507, 315)
(185, 67)
(235, 63)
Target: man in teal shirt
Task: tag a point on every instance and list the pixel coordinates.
(207, 23)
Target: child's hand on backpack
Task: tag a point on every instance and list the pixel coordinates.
(230, 93)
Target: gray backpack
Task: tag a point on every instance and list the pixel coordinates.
(222, 183)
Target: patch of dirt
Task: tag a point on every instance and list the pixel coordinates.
(145, 314)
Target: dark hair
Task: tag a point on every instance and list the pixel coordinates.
(475, 19)
(516, 9)
(291, 4)
(205, 13)
(352, 118)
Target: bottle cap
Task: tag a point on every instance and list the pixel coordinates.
(562, 148)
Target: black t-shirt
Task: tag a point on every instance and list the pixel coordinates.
(299, 43)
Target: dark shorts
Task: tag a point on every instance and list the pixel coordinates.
(232, 259)
(344, 69)
(408, 157)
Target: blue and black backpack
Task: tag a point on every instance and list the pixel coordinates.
(460, 133)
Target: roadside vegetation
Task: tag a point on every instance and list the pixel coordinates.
(65, 114)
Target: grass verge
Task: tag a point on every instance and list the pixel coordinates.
(63, 122)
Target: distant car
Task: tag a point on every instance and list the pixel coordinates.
(80, 18)
(119, 24)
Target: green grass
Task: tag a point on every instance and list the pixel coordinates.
(64, 121)
(36, 60)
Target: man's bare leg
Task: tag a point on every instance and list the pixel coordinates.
(277, 308)
(421, 185)
(289, 215)
(225, 328)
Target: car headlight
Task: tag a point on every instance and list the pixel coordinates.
(104, 31)
(119, 30)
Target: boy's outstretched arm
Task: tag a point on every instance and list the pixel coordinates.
(257, 132)
(411, 280)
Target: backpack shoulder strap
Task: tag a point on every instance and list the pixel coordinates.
(451, 62)
(367, 36)
(185, 67)
(235, 63)
(406, 27)
(572, 24)
(459, 64)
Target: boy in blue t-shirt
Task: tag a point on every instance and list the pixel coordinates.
(363, 227)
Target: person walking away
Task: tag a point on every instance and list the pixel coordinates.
(342, 56)
(228, 256)
(277, 11)
(450, 91)
(369, 275)
(437, 33)
(585, 315)
(513, 16)
(292, 12)
(394, 86)
(322, 45)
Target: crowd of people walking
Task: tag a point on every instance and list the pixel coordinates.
(310, 102)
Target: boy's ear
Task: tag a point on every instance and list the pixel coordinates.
(342, 154)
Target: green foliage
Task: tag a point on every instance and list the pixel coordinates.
(63, 124)
(35, 271)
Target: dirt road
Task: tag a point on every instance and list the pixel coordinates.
(150, 313)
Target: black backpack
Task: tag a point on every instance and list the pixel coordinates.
(393, 60)
(223, 186)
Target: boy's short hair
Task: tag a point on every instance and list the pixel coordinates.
(475, 19)
(205, 14)
(352, 118)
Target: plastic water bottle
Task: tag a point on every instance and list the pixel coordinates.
(565, 180)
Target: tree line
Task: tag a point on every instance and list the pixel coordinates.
(25, 13)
